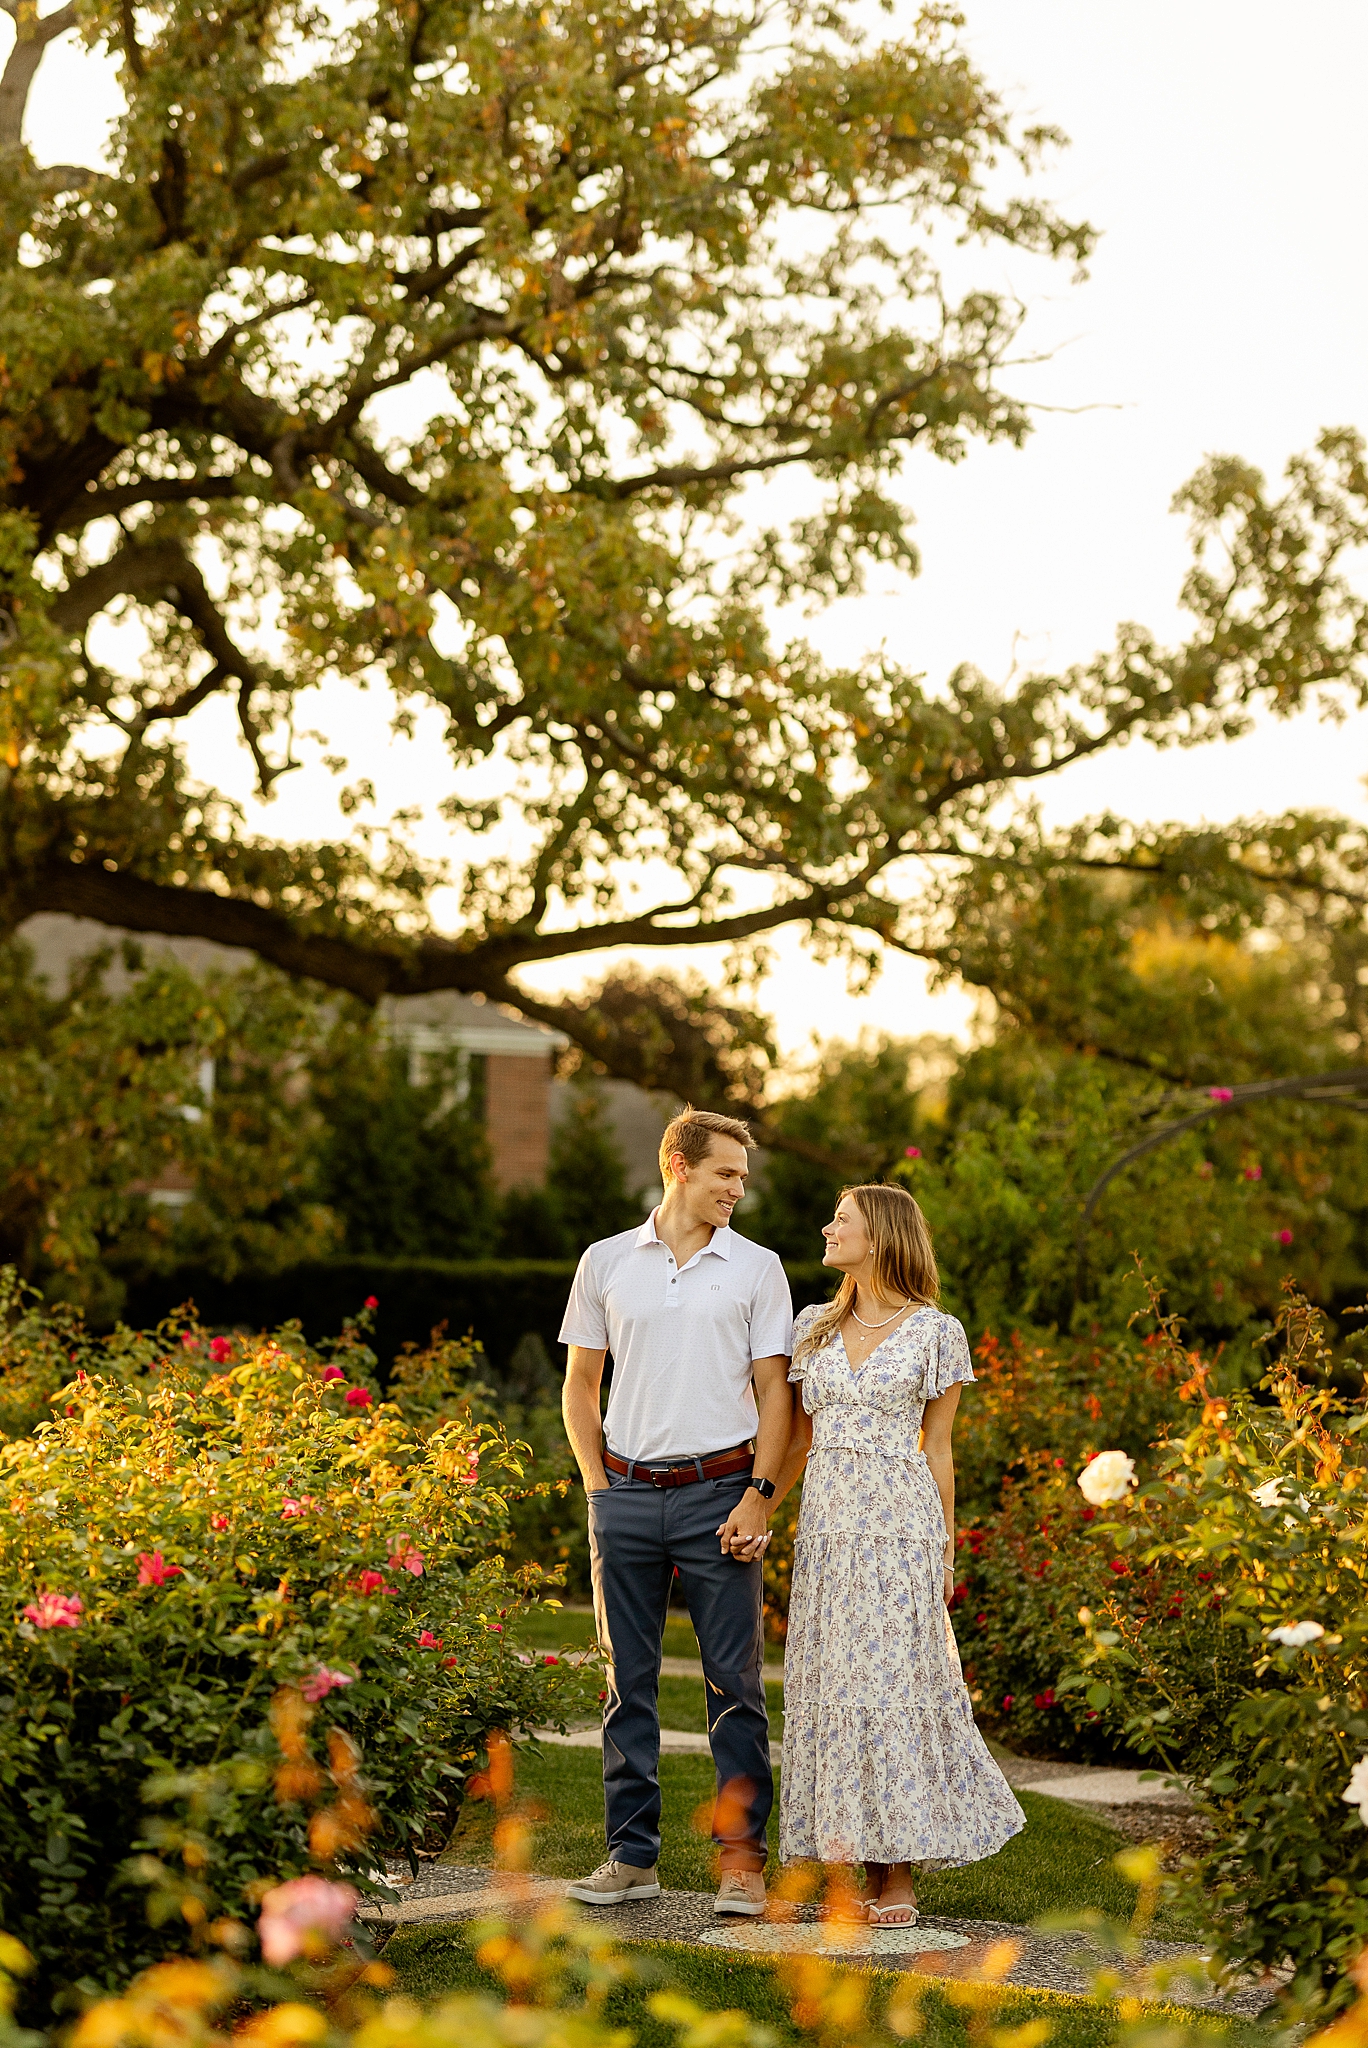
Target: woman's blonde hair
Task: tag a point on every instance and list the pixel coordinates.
(904, 1260)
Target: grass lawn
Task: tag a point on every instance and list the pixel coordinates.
(682, 1705)
(433, 1963)
(550, 1628)
(1061, 1862)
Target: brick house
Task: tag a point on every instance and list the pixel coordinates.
(506, 1060)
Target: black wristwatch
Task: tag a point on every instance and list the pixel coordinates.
(764, 1487)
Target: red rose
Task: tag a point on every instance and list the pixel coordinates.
(1045, 1700)
(357, 1397)
(1008, 1702)
(1120, 1567)
(372, 1301)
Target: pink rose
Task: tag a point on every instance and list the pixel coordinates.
(912, 1152)
(189, 1340)
(220, 1349)
(1008, 1702)
(1221, 1094)
(357, 1397)
(1253, 1173)
(305, 1907)
(324, 1681)
(496, 1628)
(372, 1582)
(428, 1641)
(403, 1558)
(292, 1509)
(55, 1610)
(153, 1570)
(472, 1471)
(333, 1372)
(1284, 1237)
(218, 1521)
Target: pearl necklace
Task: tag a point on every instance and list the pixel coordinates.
(886, 1321)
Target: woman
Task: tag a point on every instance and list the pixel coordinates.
(882, 1762)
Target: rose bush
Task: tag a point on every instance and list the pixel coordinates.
(1265, 1499)
(1023, 1576)
(226, 1593)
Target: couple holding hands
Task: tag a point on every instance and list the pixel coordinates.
(883, 1766)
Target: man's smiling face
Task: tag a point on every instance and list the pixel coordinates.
(716, 1184)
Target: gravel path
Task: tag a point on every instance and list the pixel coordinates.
(969, 1950)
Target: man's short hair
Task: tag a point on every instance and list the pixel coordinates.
(691, 1134)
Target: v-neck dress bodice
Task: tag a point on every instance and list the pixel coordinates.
(882, 1760)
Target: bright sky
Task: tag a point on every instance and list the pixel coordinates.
(1220, 147)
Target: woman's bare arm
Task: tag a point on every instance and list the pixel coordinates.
(938, 1422)
(795, 1457)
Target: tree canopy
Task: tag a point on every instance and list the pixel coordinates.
(446, 348)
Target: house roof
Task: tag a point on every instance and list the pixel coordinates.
(445, 1018)
(426, 1022)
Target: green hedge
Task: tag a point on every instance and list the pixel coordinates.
(501, 1301)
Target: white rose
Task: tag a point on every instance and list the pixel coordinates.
(1296, 1634)
(1109, 1477)
(1271, 1495)
(1355, 1792)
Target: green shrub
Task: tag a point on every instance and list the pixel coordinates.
(234, 1584)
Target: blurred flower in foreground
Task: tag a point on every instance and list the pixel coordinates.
(1108, 1477)
(55, 1610)
(303, 1914)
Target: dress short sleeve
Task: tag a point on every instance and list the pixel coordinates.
(949, 1364)
(798, 1367)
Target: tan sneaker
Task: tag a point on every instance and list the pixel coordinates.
(741, 1891)
(613, 1883)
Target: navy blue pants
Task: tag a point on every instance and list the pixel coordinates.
(638, 1534)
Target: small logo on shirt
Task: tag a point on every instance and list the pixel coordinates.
(716, 1287)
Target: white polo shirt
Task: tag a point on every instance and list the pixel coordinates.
(682, 1338)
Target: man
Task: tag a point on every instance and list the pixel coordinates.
(699, 1322)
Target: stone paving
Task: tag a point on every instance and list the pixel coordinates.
(968, 1950)
(1083, 1784)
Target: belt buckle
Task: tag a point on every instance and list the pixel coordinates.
(660, 1476)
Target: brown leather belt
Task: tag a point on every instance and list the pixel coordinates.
(685, 1471)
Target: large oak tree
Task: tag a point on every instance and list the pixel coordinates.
(441, 346)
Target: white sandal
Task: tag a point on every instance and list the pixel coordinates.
(879, 1916)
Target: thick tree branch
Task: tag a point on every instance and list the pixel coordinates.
(31, 37)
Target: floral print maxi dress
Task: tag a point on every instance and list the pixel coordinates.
(882, 1760)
